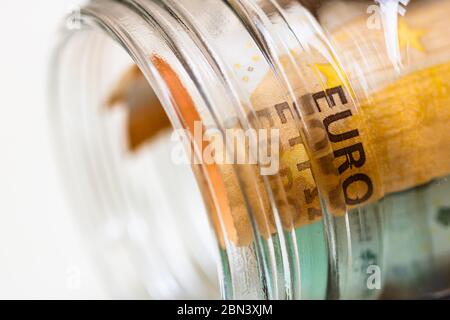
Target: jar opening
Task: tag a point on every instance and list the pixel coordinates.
(144, 215)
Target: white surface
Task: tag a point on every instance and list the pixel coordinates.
(41, 254)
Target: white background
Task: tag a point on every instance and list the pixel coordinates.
(41, 253)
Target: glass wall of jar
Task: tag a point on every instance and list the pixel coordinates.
(316, 133)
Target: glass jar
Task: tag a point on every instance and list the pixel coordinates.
(316, 136)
